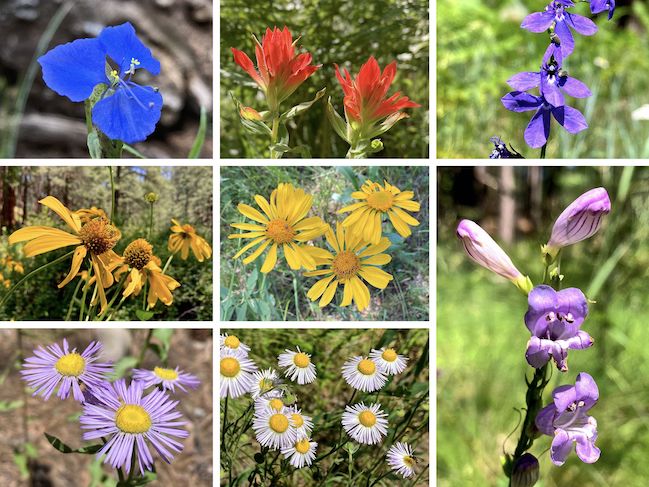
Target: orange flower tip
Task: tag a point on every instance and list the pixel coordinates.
(250, 113)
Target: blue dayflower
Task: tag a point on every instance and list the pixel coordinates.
(126, 111)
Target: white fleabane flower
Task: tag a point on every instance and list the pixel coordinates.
(232, 342)
(363, 374)
(301, 453)
(275, 403)
(389, 361)
(401, 459)
(266, 384)
(365, 424)
(298, 366)
(273, 428)
(236, 373)
(302, 423)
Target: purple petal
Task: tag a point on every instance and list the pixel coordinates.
(540, 300)
(519, 101)
(581, 219)
(561, 447)
(572, 305)
(551, 92)
(524, 81)
(538, 130)
(583, 25)
(574, 87)
(538, 21)
(586, 449)
(553, 50)
(538, 352)
(580, 341)
(545, 418)
(565, 36)
(586, 390)
(570, 119)
(563, 397)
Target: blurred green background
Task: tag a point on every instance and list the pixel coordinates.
(481, 336)
(480, 45)
(184, 193)
(405, 398)
(247, 294)
(333, 31)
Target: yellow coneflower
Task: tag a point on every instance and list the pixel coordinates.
(354, 261)
(184, 238)
(97, 236)
(283, 223)
(367, 216)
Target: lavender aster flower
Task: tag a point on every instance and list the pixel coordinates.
(555, 14)
(538, 130)
(597, 6)
(55, 365)
(128, 421)
(566, 421)
(580, 220)
(168, 378)
(554, 319)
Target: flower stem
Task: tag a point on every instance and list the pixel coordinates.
(150, 221)
(545, 146)
(171, 257)
(74, 296)
(273, 138)
(144, 348)
(225, 423)
(112, 192)
(104, 313)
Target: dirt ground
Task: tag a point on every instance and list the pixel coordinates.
(191, 350)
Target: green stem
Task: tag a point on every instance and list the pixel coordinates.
(171, 257)
(144, 348)
(103, 314)
(273, 138)
(225, 423)
(380, 478)
(68, 315)
(115, 309)
(545, 146)
(150, 221)
(112, 192)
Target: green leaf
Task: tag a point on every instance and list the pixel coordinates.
(302, 107)
(134, 151)
(9, 405)
(336, 121)
(94, 145)
(63, 448)
(122, 365)
(195, 152)
(164, 335)
(387, 124)
(144, 315)
(20, 459)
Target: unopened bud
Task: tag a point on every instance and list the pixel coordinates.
(151, 197)
(250, 113)
(525, 472)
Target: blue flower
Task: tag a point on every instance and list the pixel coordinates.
(126, 111)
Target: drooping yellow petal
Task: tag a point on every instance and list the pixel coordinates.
(247, 246)
(408, 219)
(348, 294)
(306, 259)
(256, 253)
(361, 293)
(318, 288)
(99, 274)
(251, 213)
(380, 259)
(356, 216)
(29, 233)
(44, 244)
(383, 244)
(134, 283)
(66, 215)
(329, 294)
(291, 258)
(399, 225)
(77, 258)
(271, 260)
(375, 276)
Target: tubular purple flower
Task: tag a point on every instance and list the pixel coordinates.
(485, 251)
(580, 220)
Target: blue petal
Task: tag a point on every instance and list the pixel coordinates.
(122, 44)
(124, 117)
(75, 68)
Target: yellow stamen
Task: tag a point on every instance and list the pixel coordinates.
(131, 418)
(346, 264)
(366, 367)
(70, 365)
(278, 423)
(276, 404)
(165, 374)
(230, 367)
(409, 461)
(380, 200)
(231, 342)
(302, 446)
(367, 419)
(279, 231)
(298, 422)
(389, 355)
(301, 360)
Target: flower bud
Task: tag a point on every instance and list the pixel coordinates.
(580, 220)
(151, 197)
(525, 472)
(250, 113)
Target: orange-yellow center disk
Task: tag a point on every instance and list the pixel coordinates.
(302, 446)
(132, 418)
(231, 342)
(278, 423)
(346, 264)
(409, 461)
(230, 367)
(279, 231)
(276, 404)
(138, 253)
(366, 367)
(70, 365)
(99, 235)
(165, 374)
(380, 200)
(298, 422)
(301, 360)
(367, 419)
(389, 355)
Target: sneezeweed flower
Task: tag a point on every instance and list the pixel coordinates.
(302, 423)
(554, 319)
(376, 203)
(401, 459)
(579, 221)
(273, 429)
(284, 223)
(364, 374)
(354, 261)
(485, 251)
(129, 420)
(365, 424)
(266, 383)
(567, 422)
(297, 366)
(301, 453)
(280, 70)
(183, 238)
(96, 237)
(66, 369)
(525, 472)
(389, 361)
(597, 6)
(125, 111)
(166, 378)
(233, 343)
(236, 373)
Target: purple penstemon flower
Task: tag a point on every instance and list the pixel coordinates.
(555, 14)
(567, 422)
(597, 6)
(554, 319)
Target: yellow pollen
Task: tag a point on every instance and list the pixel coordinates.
(265, 385)
(279, 231)
(114, 75)
(99, 235)
(231, 342)
(138, 253)
(380, 200)
(389, 355)
(230, 367)
(278, 423)
(302, 446)
(366, 367)
(367, 419)
(409, 461)
(131, 418)
(70, 365)
(298, 422)
(165, 374)
(301, 360)
(346, 264)
(276, 404)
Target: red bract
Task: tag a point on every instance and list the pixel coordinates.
(279, 70)
(365, 96)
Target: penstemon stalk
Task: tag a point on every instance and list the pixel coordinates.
(554, 318)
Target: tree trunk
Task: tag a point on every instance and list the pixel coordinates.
(507, 204)
(8, 198)
(26, 180)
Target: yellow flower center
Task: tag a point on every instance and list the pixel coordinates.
(389, 355)
(138, 253)
(132, 418)
(276, 404)
(380, 200)
(346, 264)
(408, 460)
(298, 422)
(302, 446)
(366, 367)
(279, 231)
(99, 235)
(301, 360)
(232, 342)
(265, 385)
(70, 365)
(230, 367)
(367, 419)
(278, 423)
(165, 374)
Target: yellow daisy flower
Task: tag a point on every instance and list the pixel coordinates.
(184, 238)
(96, 237)
(354, 261)
(283, 223)
(366, 217)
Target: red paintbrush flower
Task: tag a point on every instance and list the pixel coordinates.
(279, 69)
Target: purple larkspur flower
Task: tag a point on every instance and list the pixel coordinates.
(169, 379)
(554, 320)
(538, 130)
(128, 419)
(555, 13)
(54, 365)
(597, 6)
(501, 151)
(580, 220)
(566, 421)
